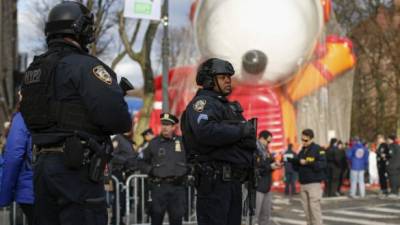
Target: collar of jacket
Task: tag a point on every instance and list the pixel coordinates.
(164, 139)
(61, 43)
(212, 93)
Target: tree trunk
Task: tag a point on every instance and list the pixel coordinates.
(8, 56)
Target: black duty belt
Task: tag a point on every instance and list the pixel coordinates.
(225, 171)
(48, 150)
(167, 180)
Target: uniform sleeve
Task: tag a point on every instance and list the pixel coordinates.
(14, 156)
(320, 160)
(102, 96)
(208, 127)
(265, 167)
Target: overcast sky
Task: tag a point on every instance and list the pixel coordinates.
(29, 34)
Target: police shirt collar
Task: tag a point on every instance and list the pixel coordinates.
(168, 139)
(212, 93)
(60, 42)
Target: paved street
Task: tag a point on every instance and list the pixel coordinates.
(340, 211)
(336, 211)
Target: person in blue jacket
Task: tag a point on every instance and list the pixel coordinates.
(358, 158)
(17, 179)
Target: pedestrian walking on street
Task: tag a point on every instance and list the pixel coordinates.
(334, 168)
(311, 165)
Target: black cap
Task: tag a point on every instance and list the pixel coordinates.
(147, 131)
(168, 118)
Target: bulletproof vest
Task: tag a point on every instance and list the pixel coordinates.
(39, 107)
(168, 158)
(234, 112)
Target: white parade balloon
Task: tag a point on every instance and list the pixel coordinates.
(285, 30)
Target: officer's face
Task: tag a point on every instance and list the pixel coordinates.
(224, 82)
(306, 140)
(148, 137)
(167, 130)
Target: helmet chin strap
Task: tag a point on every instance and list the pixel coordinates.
(219, 87)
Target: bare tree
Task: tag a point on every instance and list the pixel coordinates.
(105, 17)
(134, 39)
(8, 57)
(142, 57)
(372, 27)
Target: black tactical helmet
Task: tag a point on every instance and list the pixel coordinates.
(209, 69)
(71, 18)
(254, 61)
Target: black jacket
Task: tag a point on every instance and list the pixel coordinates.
(84, 80)
(211, 127)
(314, 170)
(263, 162)
(382, 155)
(165, 158)
(124, 156)
(394, 159)
(287, 160)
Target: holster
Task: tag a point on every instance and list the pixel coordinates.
(101, 156)
(205, 177)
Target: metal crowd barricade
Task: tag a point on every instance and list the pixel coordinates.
(8, 216)
(136, 199)
(115, 202)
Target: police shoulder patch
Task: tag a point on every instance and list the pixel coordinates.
(101, 73)
(199, 105)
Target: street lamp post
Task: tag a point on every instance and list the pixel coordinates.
(165, 58)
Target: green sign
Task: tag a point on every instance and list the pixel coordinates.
(143, 8)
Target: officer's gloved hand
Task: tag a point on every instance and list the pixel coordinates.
(248, 130)
(248, 144)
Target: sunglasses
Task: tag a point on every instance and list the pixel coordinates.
(305, 140)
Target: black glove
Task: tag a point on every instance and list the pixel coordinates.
(248, 130)
(248, 144)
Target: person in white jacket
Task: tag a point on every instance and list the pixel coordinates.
(373, 168)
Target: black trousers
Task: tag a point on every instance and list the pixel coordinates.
(167, 198)
(27, 209)
(383, 180)
(64, 196)
(333, 181)
(290, 183)
(394, 180)
(220, 205)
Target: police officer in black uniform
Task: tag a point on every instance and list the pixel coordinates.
(147, 135)
(71, 104)
(220, 143)
(123, 164)
(166, 166)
